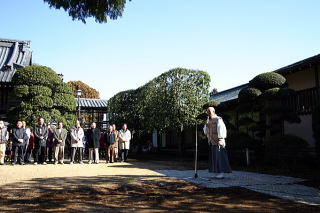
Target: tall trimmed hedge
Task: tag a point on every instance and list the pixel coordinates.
(267, 80)
(42, 94)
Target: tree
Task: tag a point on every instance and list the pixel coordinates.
(264, 95)
(87, 91)
(170, 101)
(41, 93)
(100, 10)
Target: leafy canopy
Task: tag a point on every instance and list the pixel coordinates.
(100, 10)
(86, 90)
(169, 101)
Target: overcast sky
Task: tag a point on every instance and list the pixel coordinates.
(232, 40)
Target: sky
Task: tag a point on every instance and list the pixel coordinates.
(232, 40)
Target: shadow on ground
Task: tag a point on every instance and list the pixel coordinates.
(134, 194)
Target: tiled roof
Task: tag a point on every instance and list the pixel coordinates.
(233, 93)
(13, 55)
(92, 103)
(299, 66)
(228, 95)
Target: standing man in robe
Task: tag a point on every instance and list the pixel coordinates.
(216, 132)
(124, 137)
(41, 135)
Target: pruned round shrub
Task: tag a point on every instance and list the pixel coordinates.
(286, 149)
(70, 120)
(63, 88)
(21, 90)
(40, 114)
(249, 94)
(36, 75)
(38, 90)
(65, 101)
(268, 80)
(42, 102)
(270, 93)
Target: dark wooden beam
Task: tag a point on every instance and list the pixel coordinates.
(316, 75)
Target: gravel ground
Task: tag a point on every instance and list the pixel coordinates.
(125, 187)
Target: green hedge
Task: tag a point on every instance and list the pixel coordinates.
(270, 93)
(42, 101)
(267, 80)
(36, 75)
(249, 94)
(65, 101)
(21, 90)
(37, 90)
(63, 88)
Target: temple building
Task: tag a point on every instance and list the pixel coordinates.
(14, 54)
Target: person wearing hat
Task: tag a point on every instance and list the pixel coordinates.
(216, 132)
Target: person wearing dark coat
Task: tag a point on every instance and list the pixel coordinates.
(19, 140)
(110, 140)
(40, 139)
(93, 140)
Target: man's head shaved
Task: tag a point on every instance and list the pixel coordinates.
(211, 112)
(211, 109)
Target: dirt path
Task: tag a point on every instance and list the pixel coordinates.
(126, 187)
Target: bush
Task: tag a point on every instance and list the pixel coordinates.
(21, 90)
(249, 94)
(36, 75)
(40, 114)
(267, 80)
(37, 90)
(63, 88)
(42, 102)
(285, 150)
(65, 101)
(270, 93)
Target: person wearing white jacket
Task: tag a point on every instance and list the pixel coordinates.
(124, 137)
(77, 135)
(216, 132)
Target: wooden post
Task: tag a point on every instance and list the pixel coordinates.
(316, 74)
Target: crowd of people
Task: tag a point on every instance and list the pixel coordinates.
(47, 143)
